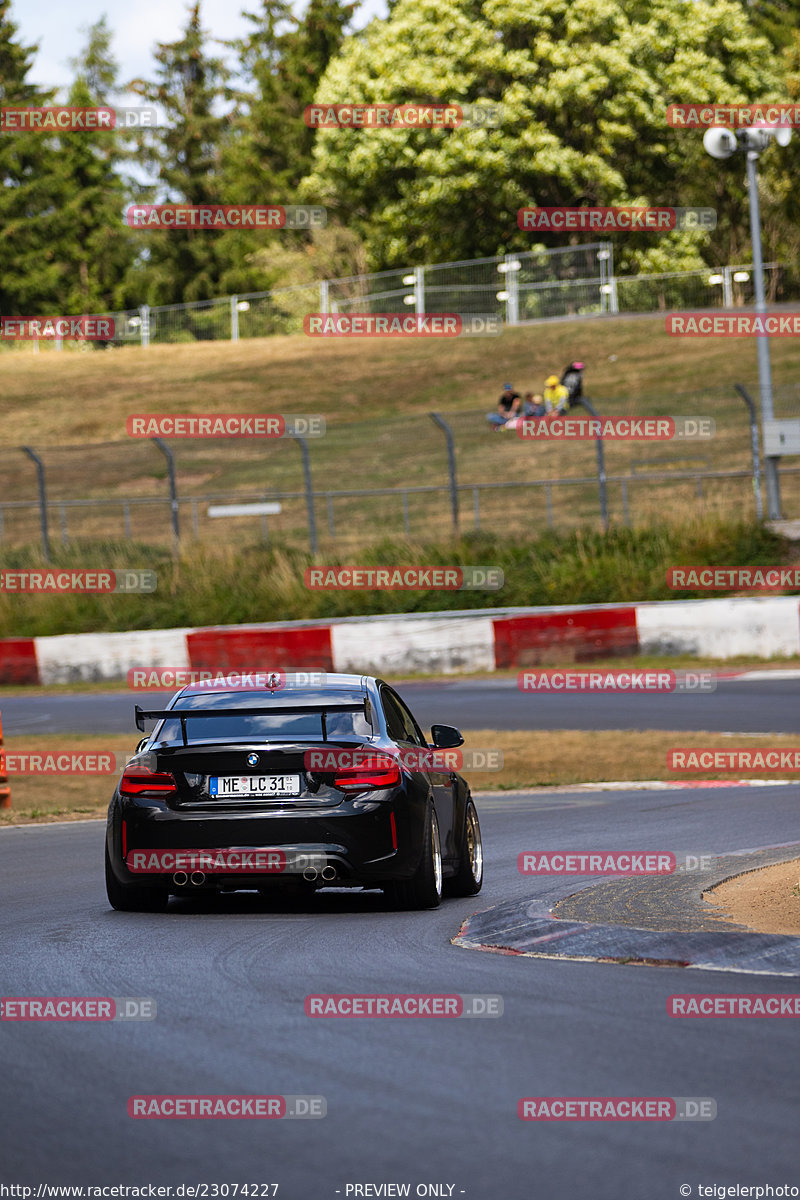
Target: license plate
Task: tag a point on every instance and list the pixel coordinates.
(254, 785)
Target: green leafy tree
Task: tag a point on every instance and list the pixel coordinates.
(777, 20)
(779, 168)
(584, 85)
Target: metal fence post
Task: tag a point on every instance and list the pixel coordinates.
(512, 266)
(144, 328)
(324, 301)
(312, 520)
(451, 465)
(173, 490)
(751, 408)
(42, 499)
(419, 290)
(234, 318)
(611, 279)
(601, 466)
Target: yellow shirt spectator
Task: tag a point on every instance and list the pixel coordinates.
(556, 395)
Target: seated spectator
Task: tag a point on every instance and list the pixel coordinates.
(532, 409)
(572, 380)
(556, 396)
(507, 407)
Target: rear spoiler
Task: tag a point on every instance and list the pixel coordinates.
(186, 714)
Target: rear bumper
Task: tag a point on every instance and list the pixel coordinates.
(358, 838)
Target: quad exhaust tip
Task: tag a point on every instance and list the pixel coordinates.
(198, 877)
(310, 873)
(180, 878)
(329, 872)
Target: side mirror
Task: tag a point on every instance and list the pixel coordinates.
(446, 736)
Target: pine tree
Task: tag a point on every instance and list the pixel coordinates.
(281, 62)
(308, 50)
(185, 152)
(94, 246)
(29, 269)
(257, 156)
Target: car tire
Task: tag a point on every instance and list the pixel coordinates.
(468, 880)
(127, 897)
(424, 888)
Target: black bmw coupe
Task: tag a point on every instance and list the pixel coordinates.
(300, 787)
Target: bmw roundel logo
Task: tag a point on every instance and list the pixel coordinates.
(252, 760)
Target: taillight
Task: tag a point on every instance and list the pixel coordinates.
(139, 780)
(361, 779)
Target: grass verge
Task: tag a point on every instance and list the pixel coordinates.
(376, 396)
(530, 759)
(228, 585)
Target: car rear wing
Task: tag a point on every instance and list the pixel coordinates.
(189, 714)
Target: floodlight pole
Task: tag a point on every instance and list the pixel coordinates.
(762, 340)
(720, 142)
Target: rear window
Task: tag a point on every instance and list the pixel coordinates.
(278, 725)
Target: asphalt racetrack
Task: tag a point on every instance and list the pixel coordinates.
(422, 1102)
(749, 706)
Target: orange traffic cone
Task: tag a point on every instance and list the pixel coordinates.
(5, 790)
